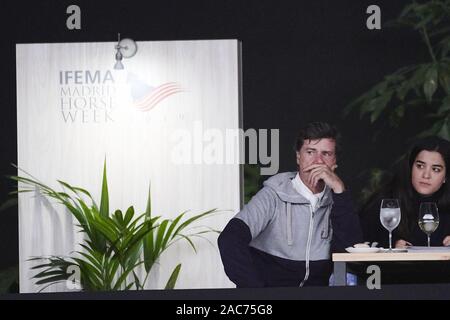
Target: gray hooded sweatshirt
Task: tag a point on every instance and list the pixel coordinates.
(279, 239)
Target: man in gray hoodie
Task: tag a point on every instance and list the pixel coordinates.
(285, 235)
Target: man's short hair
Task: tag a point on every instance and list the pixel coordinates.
(317, 131)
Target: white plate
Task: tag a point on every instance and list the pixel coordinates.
(362, 250)
(394, 250)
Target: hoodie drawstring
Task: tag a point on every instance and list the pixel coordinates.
(289, 224)
(326, 228)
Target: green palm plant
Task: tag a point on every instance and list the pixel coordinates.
(9, 279)
(116, 245)
(424, 87)
(166, 234)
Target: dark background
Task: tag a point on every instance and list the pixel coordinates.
(302, 61)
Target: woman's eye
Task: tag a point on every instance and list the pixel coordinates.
(437, 170)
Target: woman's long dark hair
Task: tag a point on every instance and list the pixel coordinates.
(400, 185)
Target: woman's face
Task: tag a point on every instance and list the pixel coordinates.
(428, 172)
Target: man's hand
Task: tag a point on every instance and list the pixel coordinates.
(326, 174)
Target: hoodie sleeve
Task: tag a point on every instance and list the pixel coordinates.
(235, 238)
(345, 222)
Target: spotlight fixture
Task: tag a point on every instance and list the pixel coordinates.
(125, 48)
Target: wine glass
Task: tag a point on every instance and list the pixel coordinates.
(390, 216)
(428, 218)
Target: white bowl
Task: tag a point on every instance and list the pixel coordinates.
(362, 250)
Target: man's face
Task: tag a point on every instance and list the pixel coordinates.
(319, 151)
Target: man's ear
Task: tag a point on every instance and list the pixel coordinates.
(297, 156)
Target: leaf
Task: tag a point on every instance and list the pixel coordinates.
(403, 89)
(173, 277)
(104, 202)
(111, 271)
(149, 255)
(148, 210)
(444, 107)
(75, 211)
(170, 234)
(123, 277)
(137, 282)
(148, 243)
(160, 236)
(445, 130)
(189, 241)
(444, 47)
(129, 215)
(444, 79)
(431, 83)
(433, 130)
(8, 277)
(134, 241)
(440, 31)
(134, 254)
(424, 21)
(191, 220)
(128, 287)
(90, 278)
(199, 235)
(118, 217)
(48, 273)
(30, 181)
(407, 10)
(106, 230)
(75, 190)
(352, 105)
(52, 279)
(381, 104)
(8, 204)
(97, 267)
(87, 218)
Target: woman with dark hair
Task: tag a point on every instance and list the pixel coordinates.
(420, 177)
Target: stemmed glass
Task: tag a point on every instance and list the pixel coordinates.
(390, 216)
(428, 218)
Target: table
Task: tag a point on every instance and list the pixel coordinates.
(341, 260)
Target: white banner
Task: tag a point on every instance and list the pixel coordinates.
(163, 119)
